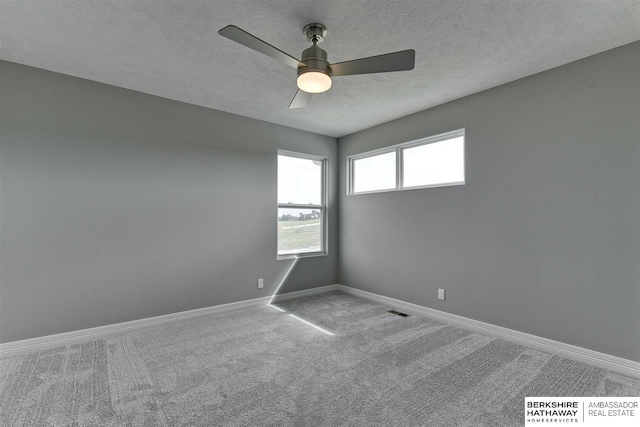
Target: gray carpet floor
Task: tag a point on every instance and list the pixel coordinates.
(263, 367)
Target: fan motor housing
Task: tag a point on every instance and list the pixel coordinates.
(315, 59)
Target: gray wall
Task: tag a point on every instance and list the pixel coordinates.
(115, 205)
(545, 236)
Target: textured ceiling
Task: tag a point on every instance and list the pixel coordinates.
(171, 49)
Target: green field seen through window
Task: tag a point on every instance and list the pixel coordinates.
(299, 236)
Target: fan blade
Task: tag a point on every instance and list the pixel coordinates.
(301, 99)
(396, 61)
(239, 35)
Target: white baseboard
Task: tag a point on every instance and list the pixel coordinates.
(49, 341)
(304, 293)
(601, 360)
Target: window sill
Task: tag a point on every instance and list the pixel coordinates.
(303, 255)
(415, 187)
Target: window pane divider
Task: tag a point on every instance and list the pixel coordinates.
(299, 206)
(399, 161)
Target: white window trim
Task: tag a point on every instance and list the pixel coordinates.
(324, 215)
(398, 149)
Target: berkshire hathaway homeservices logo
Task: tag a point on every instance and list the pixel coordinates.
(582, 411)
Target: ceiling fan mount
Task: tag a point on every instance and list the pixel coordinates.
(313, 69)
(315, 32)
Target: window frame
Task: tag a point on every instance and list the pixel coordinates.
(399, 150)
(322, 207)
(351, 169)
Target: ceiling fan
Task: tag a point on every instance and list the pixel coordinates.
(314, 70)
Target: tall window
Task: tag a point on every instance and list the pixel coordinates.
(301, 205)
(435, 161)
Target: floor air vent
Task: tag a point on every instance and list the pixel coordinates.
(398, 313)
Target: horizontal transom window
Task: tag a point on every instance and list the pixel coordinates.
(435, 161)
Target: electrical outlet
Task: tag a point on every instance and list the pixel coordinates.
(260, 283)
(441, 294)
